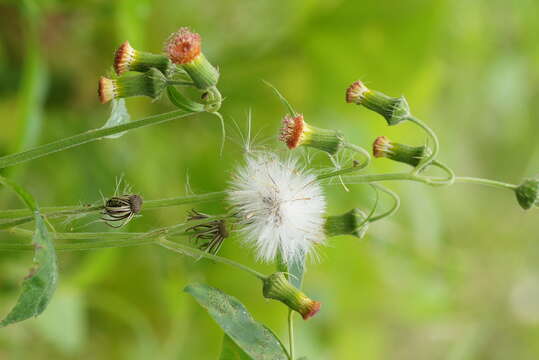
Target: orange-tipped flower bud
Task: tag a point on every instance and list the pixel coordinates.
(296, 132)
(394, 110)
(184, 48)
(152, 84)
(411, 155)
(277, 287)
(129, 59)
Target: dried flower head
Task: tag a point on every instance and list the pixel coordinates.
(121, 209)
(280, 206)
(296, 132)
(210, 234)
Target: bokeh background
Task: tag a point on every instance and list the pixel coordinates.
(453, 275)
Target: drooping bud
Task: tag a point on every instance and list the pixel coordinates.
(129, 59)
(184, 48)
(411, 155)
(527, 193)
(394, 110)
(152, 83)
(121, 209)
(353, 222)
(296, 132)
(277, 287)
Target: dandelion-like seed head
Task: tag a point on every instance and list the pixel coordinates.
(280, 205)
(183, 46)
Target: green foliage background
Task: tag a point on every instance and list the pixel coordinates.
(453, 275)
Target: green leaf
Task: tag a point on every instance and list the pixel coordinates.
(231, 351)
(118, 116)
(255, 339)
(183, 102)
(38, 287)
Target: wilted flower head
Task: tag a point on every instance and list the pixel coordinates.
(280, 205)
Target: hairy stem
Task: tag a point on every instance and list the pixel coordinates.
(86, 137)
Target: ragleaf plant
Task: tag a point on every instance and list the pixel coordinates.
(276, 204)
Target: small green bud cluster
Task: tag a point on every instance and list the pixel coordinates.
(155, 72)
(394, 110)
(277, 287)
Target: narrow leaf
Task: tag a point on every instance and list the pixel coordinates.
(38, 287)
(255, 339)
(231, 351)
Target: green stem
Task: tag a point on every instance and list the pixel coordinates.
(487, 182)
(450, 173)
(180, 83)
(86, 137)
(393, 209)
(435, 144)
(291, 333)
(190, 251)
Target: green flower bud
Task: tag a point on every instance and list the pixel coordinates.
(277, 287)
(527, 193)
(353, 222)
(184, 48)
(411, 155)
(394, 110)
(152, 84)
(296, 132)
(129, 59)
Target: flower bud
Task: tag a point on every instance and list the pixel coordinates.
(527, 193)
(411, 155)
(394, 110)
(277, 287)
(152, 83)
(353, 222)
(296, 132)
(184, 48)
(121, 209)
(129, 59)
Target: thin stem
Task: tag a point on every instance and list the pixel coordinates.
(363, 152)
(450, 173)
(393, 209)
(190, 251)
(291, 333)
(435, 144)
(180, 83)
(487, 182)
(86, 137)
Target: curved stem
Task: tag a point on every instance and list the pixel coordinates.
(361, 151)
(190, 251)
(435, 144)
(86, 137)
(450, 173)
(486, 182)
(393, 209)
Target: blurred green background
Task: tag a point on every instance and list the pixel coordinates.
(453, 275)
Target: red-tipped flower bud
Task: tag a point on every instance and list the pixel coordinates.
(394, 110)
(411, 155)
(152, 84)
(184, 48)
(129, 59)
(296, 132)
(277, 287)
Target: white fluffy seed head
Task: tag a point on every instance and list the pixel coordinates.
(280, 205)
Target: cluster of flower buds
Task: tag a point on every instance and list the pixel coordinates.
(296, 132)
(411, 155)
(139, 73)
(527, 193)
(354, 222)
(394, 110)
(277, 287)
